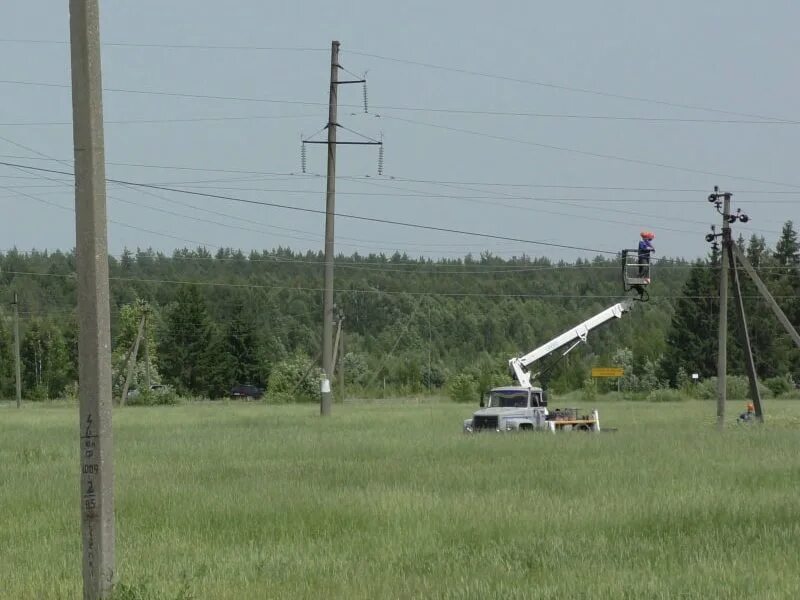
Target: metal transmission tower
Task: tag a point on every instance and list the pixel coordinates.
(330, 205)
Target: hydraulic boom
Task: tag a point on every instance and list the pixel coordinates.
(519, 366)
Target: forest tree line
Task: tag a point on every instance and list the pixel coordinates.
(410, 325)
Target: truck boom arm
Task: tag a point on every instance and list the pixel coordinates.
(575, 336)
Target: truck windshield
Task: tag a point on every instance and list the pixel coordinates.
(509, 400)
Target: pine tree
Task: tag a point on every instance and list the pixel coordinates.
(786, 288)
(787, 251)
(692, 338)
(185, 343)
(757, 250)
(241, 345)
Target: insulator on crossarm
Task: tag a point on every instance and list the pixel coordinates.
(366, 105)
(380, 159)
(303, 157)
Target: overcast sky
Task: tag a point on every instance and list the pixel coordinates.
(545, 175)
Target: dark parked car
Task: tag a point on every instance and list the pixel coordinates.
(247, 392)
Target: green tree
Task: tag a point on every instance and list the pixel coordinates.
(787, 251)
(184, 347)
(7, 389)
(242, 349)
(692, 337)
(757, 250)
(45, 360)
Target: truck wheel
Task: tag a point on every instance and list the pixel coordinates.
(526, 427)
(584, 428)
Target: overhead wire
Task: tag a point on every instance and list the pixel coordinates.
(585, 152)
(755, 120)
(547, 84)
(341, 215)
(298, 175)
(434, 66)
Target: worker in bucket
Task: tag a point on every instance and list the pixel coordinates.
(645, 248)
(748, 414)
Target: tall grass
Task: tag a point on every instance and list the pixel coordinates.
(391, 500)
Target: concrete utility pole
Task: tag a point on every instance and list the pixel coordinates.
(330, 212)
(330, 209)
(722, 353)
(17, 365)
(94, 339)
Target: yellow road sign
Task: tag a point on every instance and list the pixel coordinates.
(608, 372)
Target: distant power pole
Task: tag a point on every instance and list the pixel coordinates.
(330, 209)
(341, 366)
(132, 361)
(330, 212)
(147, 380)
(94, 339)
(722, 355)
(17, 366)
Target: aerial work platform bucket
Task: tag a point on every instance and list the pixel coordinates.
(635, 272)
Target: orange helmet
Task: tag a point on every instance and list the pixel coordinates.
(648, 235)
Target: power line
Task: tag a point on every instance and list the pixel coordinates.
(567, 88)
(294, 175)
(346, 215)
(171, 94)
(173, 46)
(757, 120)
(172, 120)
(427, 65)
(569, 202)
(586, 152)
(576, 187)
(343, 215)
(177, 167)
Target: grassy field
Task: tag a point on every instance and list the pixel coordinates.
(391, 500)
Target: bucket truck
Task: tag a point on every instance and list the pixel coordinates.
(523, 406)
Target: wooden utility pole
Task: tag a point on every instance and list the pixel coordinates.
(779, 314)
(94, 322)
(17, 362)
(147, 381)
(330, 208)
(745, 336)
(336, 343)
(722, 352)
(430, 349)
(132, 362)
(341, 365)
